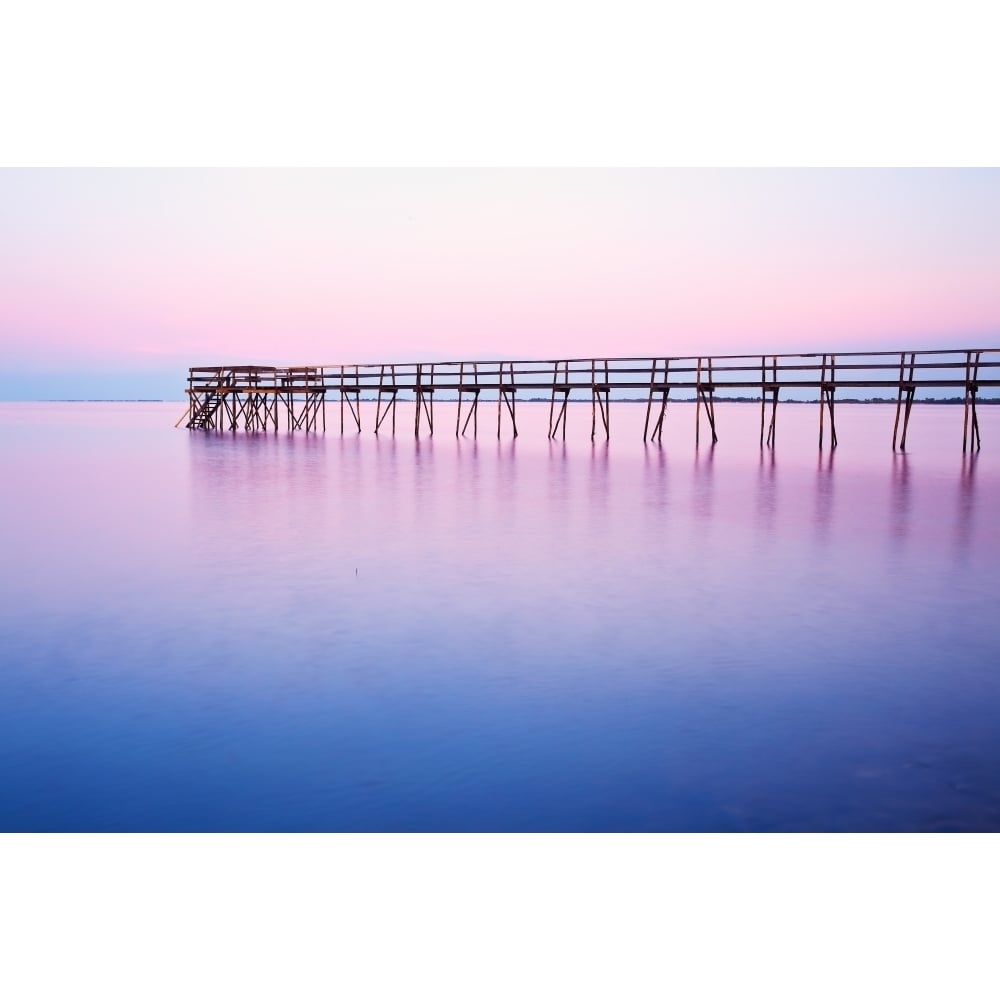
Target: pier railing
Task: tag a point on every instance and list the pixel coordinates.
(253, 396)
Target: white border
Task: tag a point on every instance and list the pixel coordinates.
(488, 916)
(535, 83)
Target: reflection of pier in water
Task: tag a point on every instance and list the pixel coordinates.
(255, 397)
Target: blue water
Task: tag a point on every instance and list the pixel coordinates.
(213, 631)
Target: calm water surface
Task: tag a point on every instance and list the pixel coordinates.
(212, 631)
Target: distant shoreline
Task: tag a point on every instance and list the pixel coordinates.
(91, 400)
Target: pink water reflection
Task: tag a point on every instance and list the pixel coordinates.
(232, 631)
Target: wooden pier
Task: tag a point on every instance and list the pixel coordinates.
(259, 398)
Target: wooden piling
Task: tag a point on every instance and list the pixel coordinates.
(705, 394)
(349, 383)
(386, 388)
(904, 399)
(663, 389)
(600, 399)
(425, 398)
(969, 402)
(474, 390)
(507, 396)
(768, 389)
(564, 391)
(827, 388)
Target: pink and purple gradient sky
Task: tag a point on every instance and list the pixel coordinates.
(137, 274)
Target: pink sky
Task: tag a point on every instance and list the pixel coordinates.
(162, 269)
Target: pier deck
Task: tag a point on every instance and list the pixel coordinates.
(255, 397)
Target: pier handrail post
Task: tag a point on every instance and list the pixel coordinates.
(473, 413)
(565, 390)
(831, 391)
(772, 434)
(600, 394)
(975, 390)
(822, 380)
(607, 401)
(512, 402)
(911, 392)
(965, 406)
(506, 396)
(697, 405)
(906, 389)
(710, 402)
(565, 403)
(500, 397)
(593, 398)
(766, 388)
(430, 412)
(649, 401)
(665, 395)
(826, 390)
(357, 394)
(419, 397)
(383, 388)
(552, 399)
(899, 398)
(971, 389)
(762, 395)
(378, 398)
